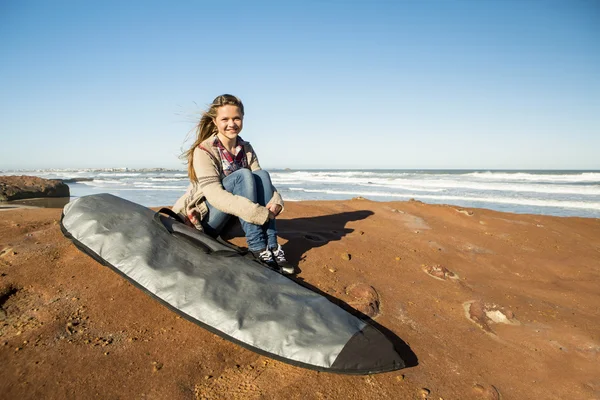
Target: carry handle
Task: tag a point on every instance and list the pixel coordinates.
(198, 243)
(171, 213)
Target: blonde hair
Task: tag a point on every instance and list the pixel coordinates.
(206, 127)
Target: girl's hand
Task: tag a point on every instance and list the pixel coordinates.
(274, 209)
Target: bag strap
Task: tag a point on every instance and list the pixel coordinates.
(198, 243)
(171, 213)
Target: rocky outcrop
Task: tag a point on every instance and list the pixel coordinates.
(29, 187)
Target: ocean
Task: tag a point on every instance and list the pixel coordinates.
(560, 193)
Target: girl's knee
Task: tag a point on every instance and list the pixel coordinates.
(243, 174)
(262, 175)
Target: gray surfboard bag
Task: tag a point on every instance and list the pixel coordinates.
(223, 291)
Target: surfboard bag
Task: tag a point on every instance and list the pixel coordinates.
(231, 295)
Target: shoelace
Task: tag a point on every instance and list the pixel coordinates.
(279, 254)
(265, 255)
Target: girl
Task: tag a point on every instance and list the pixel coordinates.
(226, 179)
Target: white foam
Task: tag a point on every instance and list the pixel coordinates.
(157, 188)
(504, 187)
(123, 174)
(152, 186)
(524, 176)
(165, 179)
(497, 200)
(427, 184)
(103, 182)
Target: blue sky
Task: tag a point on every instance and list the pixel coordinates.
(326, 84)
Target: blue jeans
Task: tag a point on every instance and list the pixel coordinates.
(255, 186)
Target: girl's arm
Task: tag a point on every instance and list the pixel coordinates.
(254, 165)
(209, 182)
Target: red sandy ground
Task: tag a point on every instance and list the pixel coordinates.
(494, 305)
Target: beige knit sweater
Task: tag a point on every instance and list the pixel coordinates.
(208, 187)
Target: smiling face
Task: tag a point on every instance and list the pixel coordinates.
(229, 122)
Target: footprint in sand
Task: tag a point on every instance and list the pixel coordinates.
(17, 305)
(439, 272)
(485, 315)
(252, 381)
(238, 383)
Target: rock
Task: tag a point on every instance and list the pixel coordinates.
(424, 393)
(439, 272)
(486, 392)
(28, 187)
(156, 366)
(7, 252)
(346, 256)
(463, 211)
(486, 314)
(366, 299)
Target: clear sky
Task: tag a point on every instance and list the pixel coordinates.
(489, 84)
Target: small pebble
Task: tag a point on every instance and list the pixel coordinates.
(156, 366)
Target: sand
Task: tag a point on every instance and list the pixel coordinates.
(494, 305)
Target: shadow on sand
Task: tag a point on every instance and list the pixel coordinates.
(307, 233)
(304, 234)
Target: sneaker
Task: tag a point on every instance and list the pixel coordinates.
(266, 257)
(285, 267)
